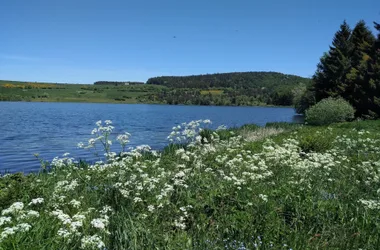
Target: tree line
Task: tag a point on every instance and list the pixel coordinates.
(236, 80)
(226, 97)
(350, 69)
(240, 88)
(116, 83)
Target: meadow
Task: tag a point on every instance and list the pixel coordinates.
(284, 186)
(55, 92)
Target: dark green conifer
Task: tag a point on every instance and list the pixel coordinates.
(357, 88)
(334, 65)
(374, 78)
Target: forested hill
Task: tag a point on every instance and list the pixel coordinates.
(246, 80)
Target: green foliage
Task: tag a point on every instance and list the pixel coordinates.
(13, 188)
(373, 77)
(251, 127)
(245, 88)
(283, 125)
(303, 98)
(334, 65)
(329, 111)
(315, 143)
(225, 97)
(350, 70)
(237, 80)
(310, 188)
(12, 98)
(358, 87)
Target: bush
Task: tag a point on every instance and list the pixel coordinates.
(328, 111)
(315, 143)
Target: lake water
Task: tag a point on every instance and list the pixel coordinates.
(52, 129)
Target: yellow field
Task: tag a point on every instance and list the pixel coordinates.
(29, 85)
(212, 92)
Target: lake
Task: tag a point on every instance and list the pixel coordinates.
(52, 129)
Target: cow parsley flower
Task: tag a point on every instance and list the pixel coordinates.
(75, 203)
(91, 242)
(36, 201)
(263, 197)
(14, 208)
(5, 220)
(23, 227)
(99, 223)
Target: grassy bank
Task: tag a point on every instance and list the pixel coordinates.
(279, 187)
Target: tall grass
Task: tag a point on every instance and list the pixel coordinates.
(306, 188)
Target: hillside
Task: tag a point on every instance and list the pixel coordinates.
(231, 89)
(244, 80)
(228, 89)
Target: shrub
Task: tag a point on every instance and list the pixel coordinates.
(315, 143)
(329, 110)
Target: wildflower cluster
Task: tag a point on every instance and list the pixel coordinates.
(102, 135)
(209, 194)
(188, 133)
(16, 219)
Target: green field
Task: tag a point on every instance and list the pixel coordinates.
(50, 92)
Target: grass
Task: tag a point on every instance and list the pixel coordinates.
(304, 188)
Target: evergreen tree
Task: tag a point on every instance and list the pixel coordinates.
(374, 78)
(333, 67)
(357, 88)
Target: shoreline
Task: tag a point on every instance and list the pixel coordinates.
(151, 103)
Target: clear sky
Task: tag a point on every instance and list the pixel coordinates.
(82, 41)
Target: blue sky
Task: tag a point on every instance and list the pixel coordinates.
(82, 41)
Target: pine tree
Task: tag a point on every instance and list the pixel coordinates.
(330, 76)
(357, 85)
(374, 78)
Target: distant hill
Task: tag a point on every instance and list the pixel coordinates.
(230, 89)
(114, 83)
(245, 80)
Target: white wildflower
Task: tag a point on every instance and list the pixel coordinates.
(263, 197)
(99, 223)
(75, 203)
(5, 220)
(7, 232)
(13, 209)
(151, 208)
(91, 242)
(36, 201)
(23, 227)
(32, 213)
(64, 233)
